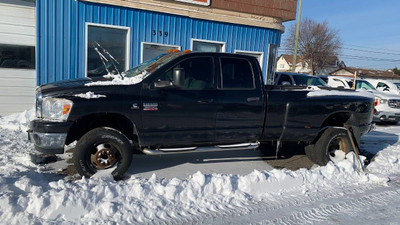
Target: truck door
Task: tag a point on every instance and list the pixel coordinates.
(177, 117)
(240, 101)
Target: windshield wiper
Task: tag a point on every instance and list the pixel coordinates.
(103, 58)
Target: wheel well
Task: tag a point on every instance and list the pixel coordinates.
(89, 122)
(337, 119)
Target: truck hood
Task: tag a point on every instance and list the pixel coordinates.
(71, 85)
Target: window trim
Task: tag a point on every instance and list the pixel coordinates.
(223, 49)
(267, 65)
(221, 78)
(128, 42)
(152, 43)
(261, 62)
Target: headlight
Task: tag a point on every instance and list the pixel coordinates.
(383, 101)
(39, 105)
(56, 108)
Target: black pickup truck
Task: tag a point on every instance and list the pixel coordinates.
(191, 102)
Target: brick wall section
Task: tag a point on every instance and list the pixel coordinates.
(285, 9)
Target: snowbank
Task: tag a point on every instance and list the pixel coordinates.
(17, 121)
(30, 195)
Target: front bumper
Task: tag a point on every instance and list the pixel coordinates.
(49, 137)
(48, 143)
(382, 116)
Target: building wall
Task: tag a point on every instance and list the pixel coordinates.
(282, 65)
(17, 85)
(61, 34)
(285, 9)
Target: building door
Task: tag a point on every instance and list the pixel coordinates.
(17, 56)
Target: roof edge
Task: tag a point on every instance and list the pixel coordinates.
(198, 12)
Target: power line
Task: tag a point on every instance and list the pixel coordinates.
(382, 49)
(386, 64)
(358, 57)
(361, 50)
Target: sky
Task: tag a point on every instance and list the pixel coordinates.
(368, 29)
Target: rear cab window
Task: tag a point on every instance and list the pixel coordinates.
(236, 73)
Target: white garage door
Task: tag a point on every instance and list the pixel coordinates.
(17, 56)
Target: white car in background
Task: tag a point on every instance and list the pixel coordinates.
(387, 105)
(298, 79)
(391, 86)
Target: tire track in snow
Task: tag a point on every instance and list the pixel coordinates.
(302, 209)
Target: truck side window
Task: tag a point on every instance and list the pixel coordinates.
(284, 78)
(237, 73)
(198, 73)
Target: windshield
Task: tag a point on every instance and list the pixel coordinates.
(150, 66)
(362, 84)
(304, 80)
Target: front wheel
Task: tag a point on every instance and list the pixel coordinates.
(101, 149)
(333, 145)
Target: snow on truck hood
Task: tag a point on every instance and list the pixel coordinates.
(120, 80)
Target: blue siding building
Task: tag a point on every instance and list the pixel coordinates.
(68, 32)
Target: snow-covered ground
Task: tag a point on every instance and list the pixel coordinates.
(228, 190)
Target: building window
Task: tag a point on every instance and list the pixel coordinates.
(271, 64)
(151, 50)
(237, 73)
(282, 65)
(207, 46)
(258, 55)
(17, 57)
(99, 61)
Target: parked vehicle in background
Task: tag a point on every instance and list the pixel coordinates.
(298, 79)
(334, 81)
(386, 85)
(193, 102)
(387, 105)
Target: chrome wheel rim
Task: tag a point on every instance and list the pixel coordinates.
(104, 157)
(338, 149)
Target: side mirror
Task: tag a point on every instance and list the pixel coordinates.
(179, 77)
(163, 84)
(286, 83)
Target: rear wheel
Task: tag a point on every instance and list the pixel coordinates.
(333, 145)
(101, 149)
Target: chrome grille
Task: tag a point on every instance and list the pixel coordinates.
(394, 103)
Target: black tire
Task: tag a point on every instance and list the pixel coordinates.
(392, 122)
(324, 149)
(103, 147)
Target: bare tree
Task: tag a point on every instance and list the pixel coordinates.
(318, 43)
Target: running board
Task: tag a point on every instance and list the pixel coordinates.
(166, 151)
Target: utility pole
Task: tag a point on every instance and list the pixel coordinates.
(297, 38)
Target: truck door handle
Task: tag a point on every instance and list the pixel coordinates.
(205, 101)
(253, 99)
